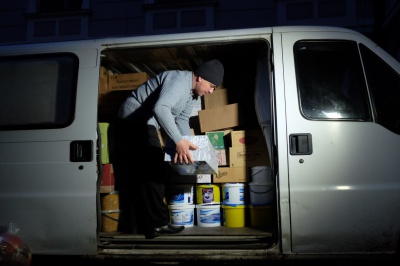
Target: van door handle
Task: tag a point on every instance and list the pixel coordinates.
(300, 144)
(81, 151)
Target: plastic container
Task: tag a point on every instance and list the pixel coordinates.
(207, 193)
(208, 215)
(109, 220)
(260, 174)
(180, 194)
(182, 214)
(261, 193)
(234, 216)
(234, 193)
(262, 217)
(110, 212)
(110, 201)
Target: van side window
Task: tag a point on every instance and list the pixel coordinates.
(38, 91)
(330, 81)
(384, 85)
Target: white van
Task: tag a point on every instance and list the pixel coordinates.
(326, 99)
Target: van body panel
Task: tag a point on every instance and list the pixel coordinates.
(52, 201)
(340, 197)
(280, 144)
(344, 195)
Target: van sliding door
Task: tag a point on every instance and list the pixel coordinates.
(48, 138)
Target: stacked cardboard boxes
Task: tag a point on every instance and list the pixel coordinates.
(248, 149)
(217, 113)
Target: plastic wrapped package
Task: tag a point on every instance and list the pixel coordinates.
(206, 157)
(13, 251)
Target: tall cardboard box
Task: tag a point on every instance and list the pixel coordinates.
(222, 117)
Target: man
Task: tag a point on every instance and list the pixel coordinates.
(164, 102)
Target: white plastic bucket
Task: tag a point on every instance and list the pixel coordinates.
(180, 194)
(208, 215)
(261, 193)
(260, 174)
(234, 193)
(182, 214)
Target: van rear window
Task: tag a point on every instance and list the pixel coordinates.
(38, 91)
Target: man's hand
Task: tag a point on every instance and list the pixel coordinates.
(182, 152)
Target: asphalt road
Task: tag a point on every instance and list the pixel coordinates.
(62, 260)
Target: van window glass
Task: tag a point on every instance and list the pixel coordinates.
(330, 81)
(384, 85)
(37, 91)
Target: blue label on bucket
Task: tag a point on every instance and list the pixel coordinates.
(210, 216)
(226, 194)
(182, 217)
(179, 198)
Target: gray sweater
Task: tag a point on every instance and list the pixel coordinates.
(165, 101)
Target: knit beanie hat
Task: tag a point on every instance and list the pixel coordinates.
(212, 71)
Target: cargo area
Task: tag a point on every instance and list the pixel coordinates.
(227, 117)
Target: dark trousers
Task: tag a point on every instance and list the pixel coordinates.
(140, 177)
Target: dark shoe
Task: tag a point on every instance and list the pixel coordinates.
(166, 229)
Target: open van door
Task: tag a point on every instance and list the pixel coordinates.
(342, 143)
(48, 124)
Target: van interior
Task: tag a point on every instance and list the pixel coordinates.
(243, 61)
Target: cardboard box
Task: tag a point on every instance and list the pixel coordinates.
(105, 157)
(248, 157)
(103, 71)
(206, 157)
(216, 99)
(217, 139)
(129, 81)
(222, 158)
(247, 138)
(107, 181)
(103, 84)
(218, 118)
(231, 174)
